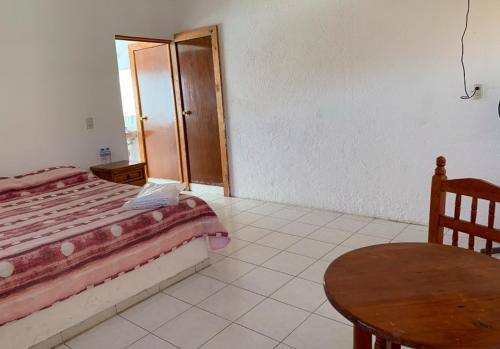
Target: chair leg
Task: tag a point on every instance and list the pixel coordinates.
(383, 344)
(380, 343)
(362, 338)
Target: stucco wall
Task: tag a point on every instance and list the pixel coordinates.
(345, 104)
(332, 104)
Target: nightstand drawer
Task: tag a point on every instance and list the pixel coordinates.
(125, 172)
(129, 176)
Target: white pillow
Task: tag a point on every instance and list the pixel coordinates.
(156, 195)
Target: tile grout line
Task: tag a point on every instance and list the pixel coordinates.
(264, 299)
(293, 277)
(307, 318)
(230, 322)
(152, 332)
(315, 259)
(351, 215)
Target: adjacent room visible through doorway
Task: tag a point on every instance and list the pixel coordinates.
(127, 95)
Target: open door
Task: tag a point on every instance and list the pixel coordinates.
(155, 107)
(198, 89)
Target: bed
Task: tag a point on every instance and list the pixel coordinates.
(63, 232)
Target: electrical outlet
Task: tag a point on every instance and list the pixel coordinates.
(89, 123)
(478, 89)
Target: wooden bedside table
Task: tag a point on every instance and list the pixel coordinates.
(124, 172)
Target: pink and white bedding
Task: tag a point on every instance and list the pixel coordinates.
(63, 230)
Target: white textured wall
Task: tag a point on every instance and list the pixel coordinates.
(345, 104)
(333, 104)
(57, 67)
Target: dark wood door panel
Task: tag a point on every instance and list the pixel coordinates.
(197, 80)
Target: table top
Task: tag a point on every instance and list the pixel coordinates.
(117, 165)
(419, 295)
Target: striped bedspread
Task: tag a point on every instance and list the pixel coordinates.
(63, 230)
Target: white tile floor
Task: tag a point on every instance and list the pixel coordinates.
(262, 291)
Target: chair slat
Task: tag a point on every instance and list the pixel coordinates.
(473, 217)
(472, 187)
(476, 189)
(491, 223)
(458, 205)
(479, 230)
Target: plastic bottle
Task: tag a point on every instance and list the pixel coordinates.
(108, 155)
(102, 155)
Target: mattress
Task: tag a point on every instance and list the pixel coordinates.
(62, 230)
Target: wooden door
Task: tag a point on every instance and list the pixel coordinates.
(198, 87)
(152, 77)
(196, 72)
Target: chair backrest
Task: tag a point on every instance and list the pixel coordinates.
(468, 187)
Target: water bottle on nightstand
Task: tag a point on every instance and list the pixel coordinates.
(102, 155)
(107, 153)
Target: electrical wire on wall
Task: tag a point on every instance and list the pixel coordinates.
(467, 95)
(477, 90)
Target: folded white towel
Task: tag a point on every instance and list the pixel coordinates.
(156, 195)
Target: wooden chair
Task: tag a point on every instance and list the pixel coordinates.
(469, 187)
(438, 220)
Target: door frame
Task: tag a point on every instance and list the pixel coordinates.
(141, 39)
(211, 32)
(146, 43)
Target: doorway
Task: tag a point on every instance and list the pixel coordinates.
(128, 99)
(179, 114)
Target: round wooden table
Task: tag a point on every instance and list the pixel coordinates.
(418, 295)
